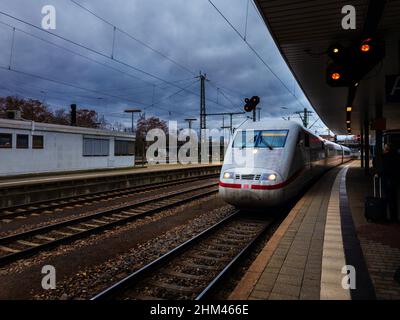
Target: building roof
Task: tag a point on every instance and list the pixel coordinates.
(39, 126)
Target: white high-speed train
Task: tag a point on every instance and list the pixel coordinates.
(269, 162)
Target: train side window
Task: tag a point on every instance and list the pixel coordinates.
(6, 140)
(37, 142)
(306, 140)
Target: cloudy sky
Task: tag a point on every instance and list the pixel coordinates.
(154, 62)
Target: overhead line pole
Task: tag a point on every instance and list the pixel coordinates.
(230, 114)
(203, 124)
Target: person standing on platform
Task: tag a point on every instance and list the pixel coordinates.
(390, 177)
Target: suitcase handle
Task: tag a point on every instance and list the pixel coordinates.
(376, 177)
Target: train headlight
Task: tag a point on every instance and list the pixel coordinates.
(268, 176)
(229, 175)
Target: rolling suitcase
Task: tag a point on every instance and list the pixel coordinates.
(375, 207)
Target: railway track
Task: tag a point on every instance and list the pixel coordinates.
(36, 208)
(26, 243)
(194, 268)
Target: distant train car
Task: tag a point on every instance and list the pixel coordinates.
(268, 163)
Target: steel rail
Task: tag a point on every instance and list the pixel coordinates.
(98, 215)
(93, 197)
(158, 263)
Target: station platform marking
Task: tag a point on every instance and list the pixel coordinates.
(333, 256)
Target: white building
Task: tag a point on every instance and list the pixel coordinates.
(32, 147)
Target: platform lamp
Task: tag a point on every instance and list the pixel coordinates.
(132, 111)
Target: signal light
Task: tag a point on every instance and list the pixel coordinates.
(350, 64)
(337, 76)
(365, 47)
(336, 51)
(349, 109)
(251, 103)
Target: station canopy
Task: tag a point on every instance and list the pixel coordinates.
(304, 29)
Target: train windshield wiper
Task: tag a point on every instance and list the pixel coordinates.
(269, 146)
(258, 142)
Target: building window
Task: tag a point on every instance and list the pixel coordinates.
(22, 141)
(124, 148)
(37, 142)
(5, 140)
(95, 147)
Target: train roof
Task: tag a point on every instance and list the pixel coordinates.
(49, 127)
(272, 124)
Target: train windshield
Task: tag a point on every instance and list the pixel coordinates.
(260, 139)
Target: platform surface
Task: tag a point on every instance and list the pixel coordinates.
(324, 237)
(66, 176)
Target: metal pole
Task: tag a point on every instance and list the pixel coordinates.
(378, 138)
(362, 145)
(366, 129)
(305, 118)
(203, 124)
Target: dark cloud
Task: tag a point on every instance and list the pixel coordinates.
(189, 32)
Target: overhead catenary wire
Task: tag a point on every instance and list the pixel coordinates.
(132, 37)
(12, 49)
(73, 52)
(173, 94)
(77, 87)
(105, 56)
(140, 41)
(85, 89)
(254, 51)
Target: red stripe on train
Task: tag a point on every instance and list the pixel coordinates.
(230, 185)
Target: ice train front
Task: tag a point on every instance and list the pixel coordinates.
(257, 163)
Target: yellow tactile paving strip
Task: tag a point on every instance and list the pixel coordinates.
(333, 256)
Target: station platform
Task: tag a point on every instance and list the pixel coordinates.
(40, 178)
(323, 237)
(30, 189)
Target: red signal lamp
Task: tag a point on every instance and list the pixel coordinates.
(248, 108)
(365, 47)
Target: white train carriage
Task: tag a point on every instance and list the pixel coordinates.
(268, 163)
